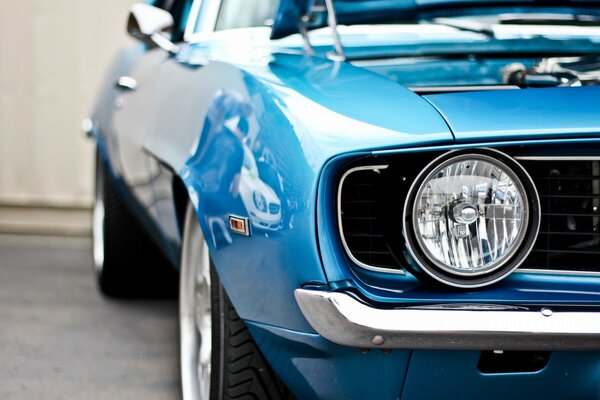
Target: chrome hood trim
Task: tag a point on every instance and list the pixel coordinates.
(342, 319)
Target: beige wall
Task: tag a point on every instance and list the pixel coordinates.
(53, 55)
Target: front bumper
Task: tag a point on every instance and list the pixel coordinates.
(344, 319)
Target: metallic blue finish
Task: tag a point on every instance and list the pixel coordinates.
(327, 92)
(512, 114)
(157, 231)
(281, 156)
(289, 152)
(445, 72)
(535, 144)
(297, 86)
(265, 135)
(315, 368)
(519, 288)
(248, 129)
(454, 375)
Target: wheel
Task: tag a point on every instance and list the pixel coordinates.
(127, 262)
(219, 359)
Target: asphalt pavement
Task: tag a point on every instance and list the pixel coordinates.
(60, 339)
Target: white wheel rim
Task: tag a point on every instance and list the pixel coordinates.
(98, 221)
(195, 318)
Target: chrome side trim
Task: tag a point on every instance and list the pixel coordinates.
(425, 90)
(342, 319)
(557, 158)
(555, 272)
(340, 225)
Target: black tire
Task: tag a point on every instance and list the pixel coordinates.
(238, 368)
(245, 372)
(128, 264)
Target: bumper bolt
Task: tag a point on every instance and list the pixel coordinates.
(378, 340)
(546, 312)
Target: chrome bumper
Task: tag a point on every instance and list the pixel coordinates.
(344, 320)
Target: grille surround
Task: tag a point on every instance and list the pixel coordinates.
(395, 164)
(349, 253)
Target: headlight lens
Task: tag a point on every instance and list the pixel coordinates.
(260, 202)
(470, 215)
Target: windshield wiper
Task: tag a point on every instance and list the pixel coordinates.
(549, 19)
(464, 25)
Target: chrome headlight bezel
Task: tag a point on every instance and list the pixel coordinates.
(423, 264)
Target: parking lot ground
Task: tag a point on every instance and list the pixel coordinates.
(60, 339)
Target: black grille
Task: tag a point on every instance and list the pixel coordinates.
(361, 225)
(569, 190)
(569, 238)
(274, 208)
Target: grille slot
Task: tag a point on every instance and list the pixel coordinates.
(274, 208)
(361, 227)
(569, 238)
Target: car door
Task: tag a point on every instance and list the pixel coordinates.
(132, 121)
(136, 108)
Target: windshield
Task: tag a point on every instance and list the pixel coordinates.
(233, 14)
(527, 23)
(521, 46)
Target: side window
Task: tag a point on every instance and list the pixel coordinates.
(164, 4)
(245, 13)
(179, 9)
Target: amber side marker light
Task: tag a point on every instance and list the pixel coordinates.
(239, 225)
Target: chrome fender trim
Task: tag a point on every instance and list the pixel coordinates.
(343, 319)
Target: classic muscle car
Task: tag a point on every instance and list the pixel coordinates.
(364, 199)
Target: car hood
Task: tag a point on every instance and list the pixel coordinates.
(521, 113)
(349, 12)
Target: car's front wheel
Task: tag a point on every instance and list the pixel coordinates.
(219, 359)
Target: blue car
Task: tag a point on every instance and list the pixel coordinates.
(360, 199)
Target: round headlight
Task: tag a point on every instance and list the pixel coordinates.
(260, 202)
(474, 218)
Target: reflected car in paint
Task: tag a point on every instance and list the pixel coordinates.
(363, 199)
(261, 202)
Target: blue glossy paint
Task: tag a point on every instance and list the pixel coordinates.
(454, 375)
(507, 115)
(314, 368)
(330, 100)
(247, 143)
(289, 116)
(271, 126)
(521, 288)
(317, 369)
(431, 72)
